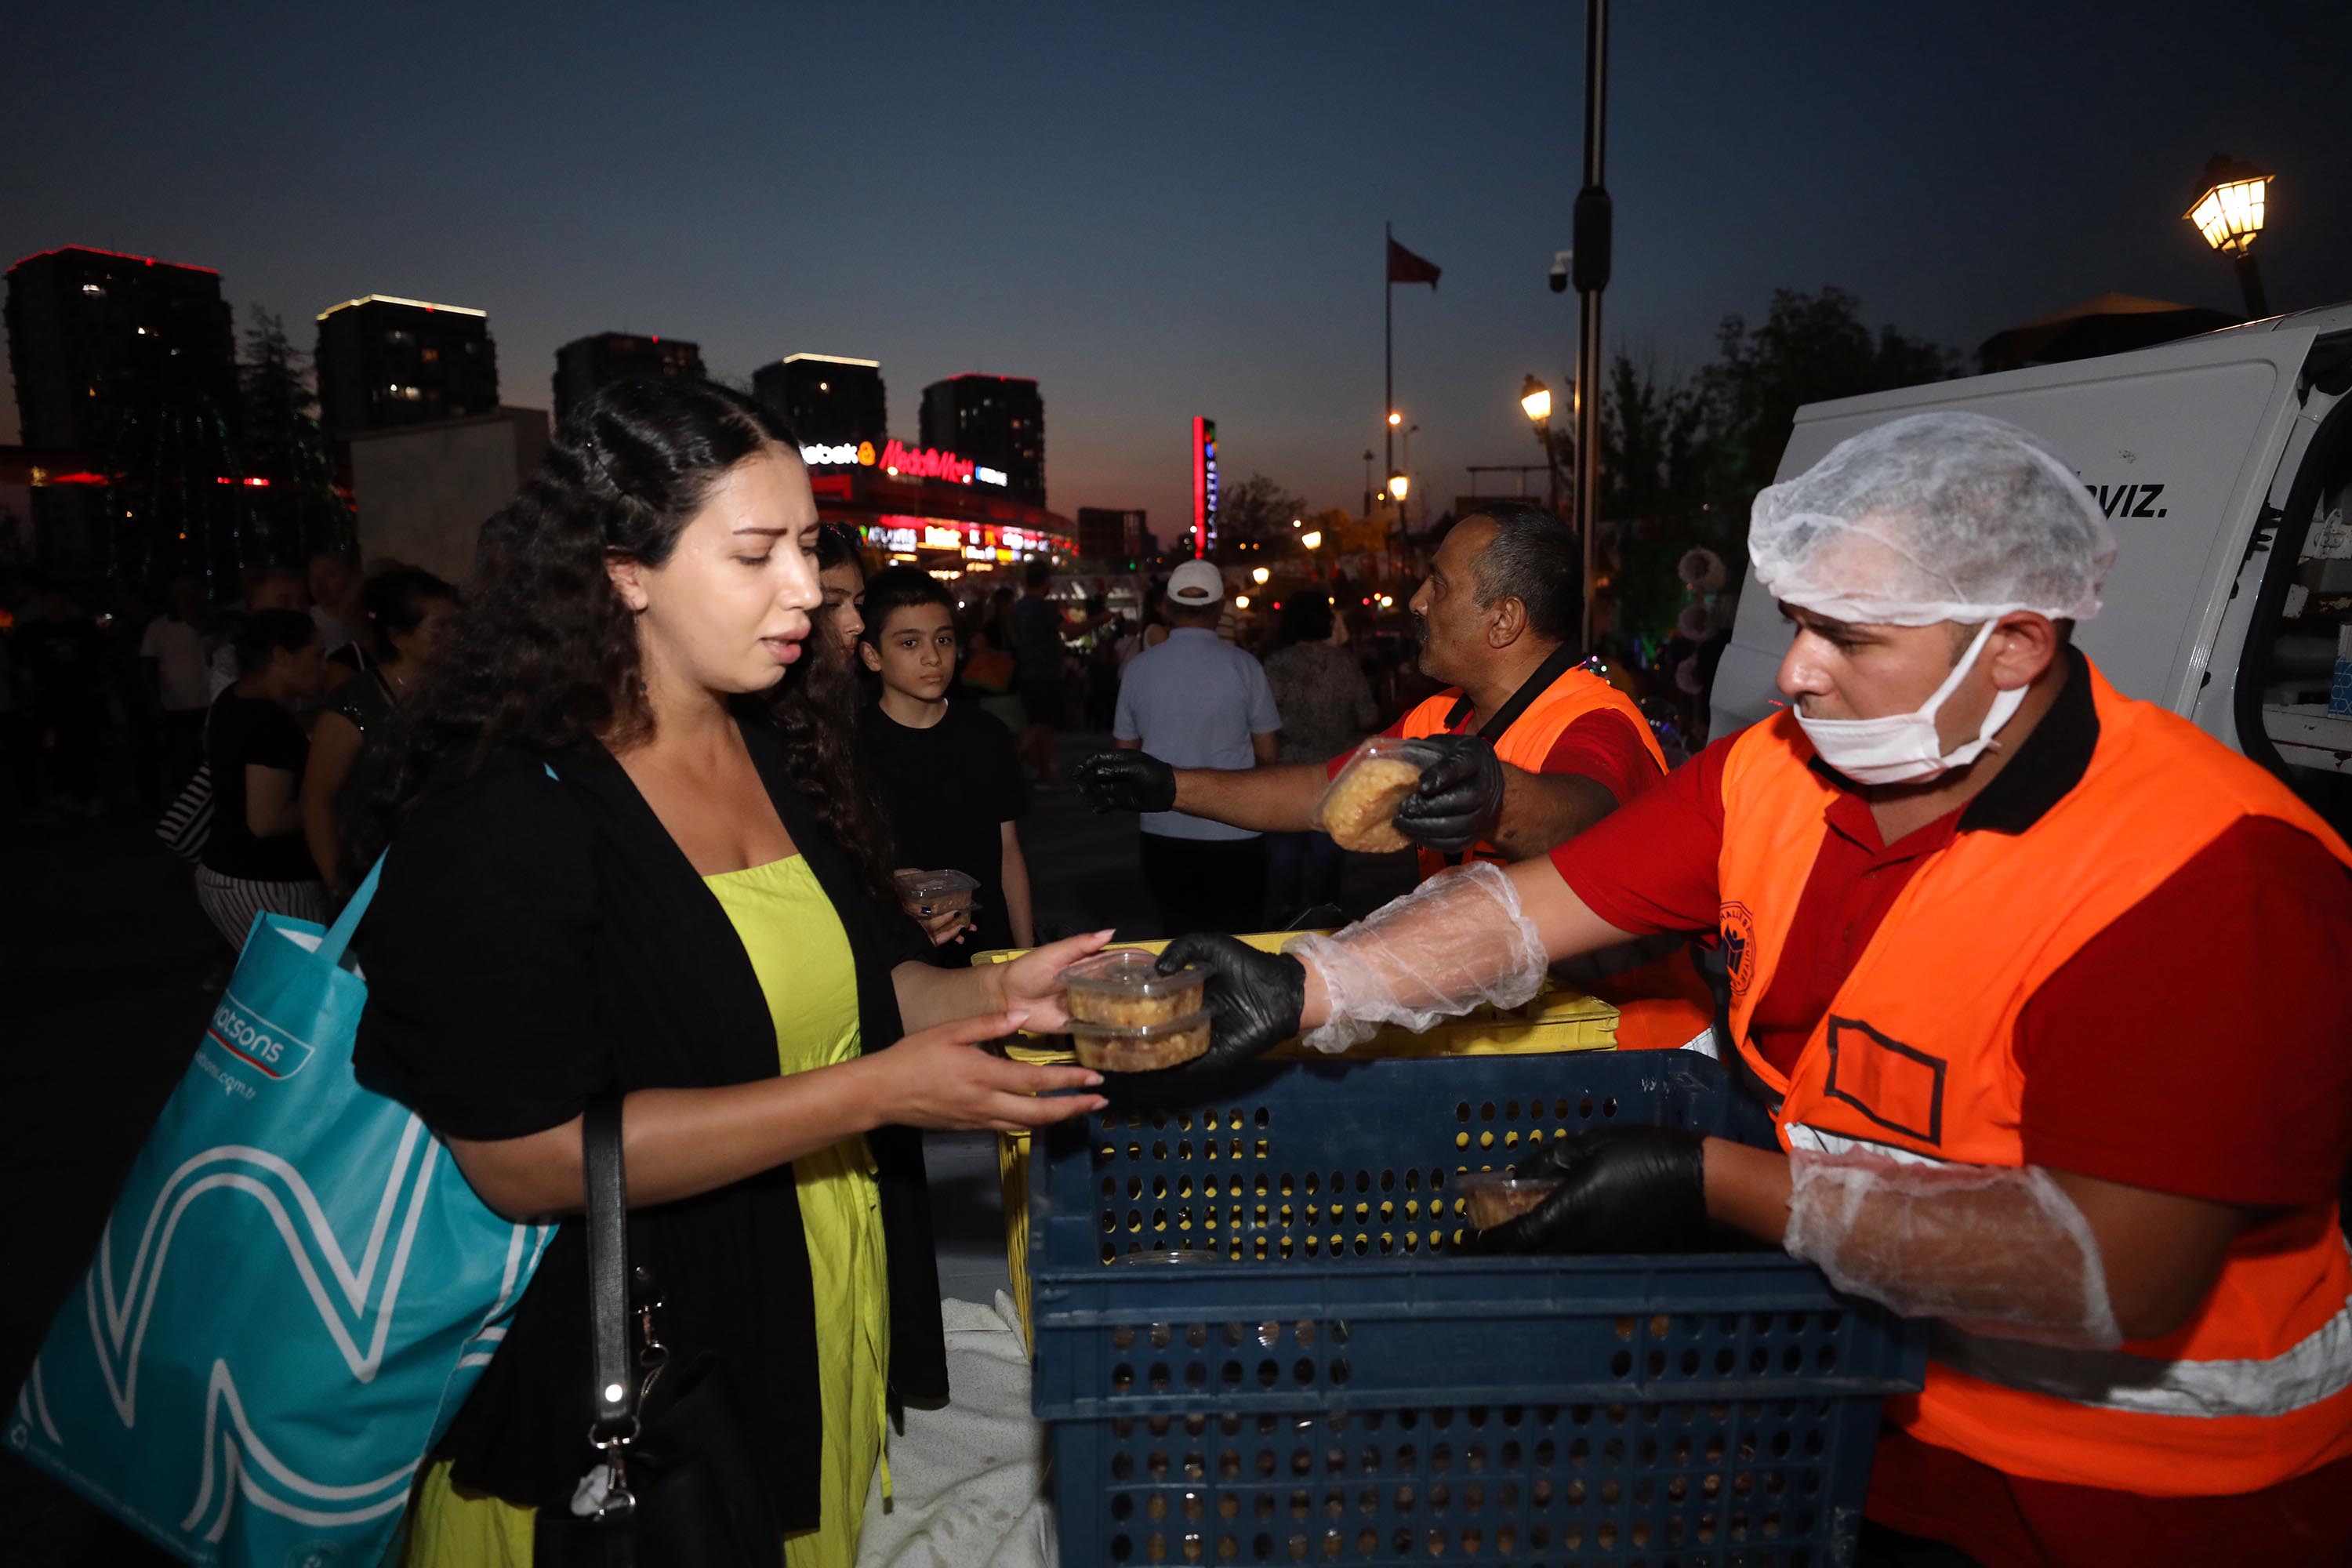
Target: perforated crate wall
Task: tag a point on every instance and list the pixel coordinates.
(1378, 1404)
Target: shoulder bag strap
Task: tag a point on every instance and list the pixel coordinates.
(608, 1271)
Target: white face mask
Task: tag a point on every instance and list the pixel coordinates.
(1903, 748)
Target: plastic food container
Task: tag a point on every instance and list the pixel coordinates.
(1122, 988)
(1139, 1048)
(935, 892)
(1490, 1197)
(1359, 807)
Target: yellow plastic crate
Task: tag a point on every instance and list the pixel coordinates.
(1555, 1021)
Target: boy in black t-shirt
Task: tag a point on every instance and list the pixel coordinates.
(947, 771)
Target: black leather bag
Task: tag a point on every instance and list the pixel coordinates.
(673, 1484)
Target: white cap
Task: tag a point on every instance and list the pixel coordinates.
(1195, 583)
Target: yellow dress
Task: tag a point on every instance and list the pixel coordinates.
(801, 957)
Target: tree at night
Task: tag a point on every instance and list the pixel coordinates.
(299, 513)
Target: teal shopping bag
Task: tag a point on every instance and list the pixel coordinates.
(292, 1295)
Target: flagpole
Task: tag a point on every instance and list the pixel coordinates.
(1388, 356)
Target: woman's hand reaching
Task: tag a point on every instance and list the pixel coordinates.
(1032, 983)
(941, 1077)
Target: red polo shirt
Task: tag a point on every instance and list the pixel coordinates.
(2201, 1045)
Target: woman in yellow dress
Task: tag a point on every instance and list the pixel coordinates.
(627, 849)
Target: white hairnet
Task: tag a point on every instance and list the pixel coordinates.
(1933, 517)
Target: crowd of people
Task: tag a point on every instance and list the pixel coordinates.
(646, 801)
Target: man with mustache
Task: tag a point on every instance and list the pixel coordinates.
(1535, 748)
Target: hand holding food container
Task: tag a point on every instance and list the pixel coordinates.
(1623, 1188)
(941, 902)
(1441, 792)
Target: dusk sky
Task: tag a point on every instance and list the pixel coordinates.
(1164, 211)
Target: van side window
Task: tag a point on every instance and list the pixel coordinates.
(2299, 660)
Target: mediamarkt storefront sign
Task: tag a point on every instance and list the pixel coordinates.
(901, 462)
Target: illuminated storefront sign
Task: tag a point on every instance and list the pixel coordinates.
(901, 462)
(974, 542)
(1204, 485)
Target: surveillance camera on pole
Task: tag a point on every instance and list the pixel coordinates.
(1559, 262)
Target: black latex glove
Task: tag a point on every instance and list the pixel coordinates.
(1254, 1000)
(1127, 781)
(1460, 797)
(1623, 1189)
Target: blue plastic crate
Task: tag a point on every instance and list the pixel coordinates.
(1340, 1387)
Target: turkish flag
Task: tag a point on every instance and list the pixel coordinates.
(1404, 266)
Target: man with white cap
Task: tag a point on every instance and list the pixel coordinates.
(1197, 701)
(2046, 987)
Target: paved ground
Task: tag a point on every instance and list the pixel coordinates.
(103, 960)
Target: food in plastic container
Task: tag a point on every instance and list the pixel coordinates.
(1358, 808)
(1124, 986)
(934, 892)
(1139, 1048)
(1494, 1196)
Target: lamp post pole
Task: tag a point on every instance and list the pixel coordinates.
(2250, 283)
(1590, 268)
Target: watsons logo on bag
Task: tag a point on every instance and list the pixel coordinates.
(256, 1041)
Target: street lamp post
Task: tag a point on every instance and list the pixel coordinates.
(1589, 267)
(2230, 215)
(1368, 483)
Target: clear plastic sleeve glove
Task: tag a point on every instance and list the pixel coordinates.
(1991, 1249)
(1126, 781)
(1456, 941)
(1460, 797)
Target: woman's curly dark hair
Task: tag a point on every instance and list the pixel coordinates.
(541, 660)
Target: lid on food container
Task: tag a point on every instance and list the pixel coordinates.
(1128, 972)
(929, 885)
(1080, 1029)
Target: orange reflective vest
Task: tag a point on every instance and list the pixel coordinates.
(1663, 1003)
(1912, 1061)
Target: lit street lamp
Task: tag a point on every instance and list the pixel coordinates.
(1313, 539)
(2230, 215)
(1536, 398)
(1259, 576)
(1398, 486)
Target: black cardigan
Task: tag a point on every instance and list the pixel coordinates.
(535, 938)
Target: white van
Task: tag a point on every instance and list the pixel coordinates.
(2224, 465)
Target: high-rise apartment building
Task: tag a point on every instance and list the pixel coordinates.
(90, 331)
(385, 362)
(104, 349)
(826, 399)
(583, 365)
(995, 420)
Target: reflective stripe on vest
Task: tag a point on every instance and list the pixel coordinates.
(1912, 1061)
(2318, 1367)
(1527, 744)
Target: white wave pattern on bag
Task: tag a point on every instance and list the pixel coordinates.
(387, 1491)
(184, 1187)
(324, 1257)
